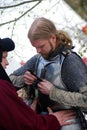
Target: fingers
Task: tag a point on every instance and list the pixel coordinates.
(49, 110)
(67, 122)
(64, 117)
(29, 78)
(69, 113)
(34, 104)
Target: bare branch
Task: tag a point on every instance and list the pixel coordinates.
(25, 2)
(16, 19)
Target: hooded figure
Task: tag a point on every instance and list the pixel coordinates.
(6, 45)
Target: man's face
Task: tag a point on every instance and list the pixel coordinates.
(44, 47)
(4, 62)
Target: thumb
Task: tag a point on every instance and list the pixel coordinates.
(34, 104)
(49, 110)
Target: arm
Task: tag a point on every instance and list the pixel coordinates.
(19, 116)
(17, 76)
(30, 64)
(74, 73)
(18, 81)
(69, 98)
(74, 76)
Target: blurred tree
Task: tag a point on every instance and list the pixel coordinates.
(17, 4)
(79, 6)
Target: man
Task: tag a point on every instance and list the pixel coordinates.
(57, 66)
(14, 113)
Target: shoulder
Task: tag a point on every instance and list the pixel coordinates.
(72, 56)
(30, 64)
(73, 60)
(74, 71)
(35, 57)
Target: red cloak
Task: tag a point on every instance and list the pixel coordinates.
(16, 115)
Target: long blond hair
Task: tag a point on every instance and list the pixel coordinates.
(43, 28)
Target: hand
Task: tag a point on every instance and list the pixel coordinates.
(63, 116)
(34, 104)
(45, 86)
(29, 78)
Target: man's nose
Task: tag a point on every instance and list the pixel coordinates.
(38, 50)
(7, 63)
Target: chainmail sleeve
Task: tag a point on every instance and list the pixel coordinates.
(30, 64)
(74, 72)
